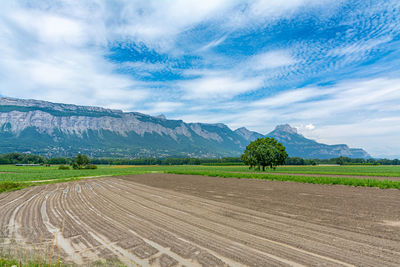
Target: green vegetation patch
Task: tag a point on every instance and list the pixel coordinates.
(384, 171)
(5, 262)
(343, 170)
(9, 186)
(16, 177)
(24, 174)
(384, 184)
(10, 173)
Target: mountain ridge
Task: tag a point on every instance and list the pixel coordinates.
(57, 129)
(297, 144)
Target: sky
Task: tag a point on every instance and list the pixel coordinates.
(330, 68)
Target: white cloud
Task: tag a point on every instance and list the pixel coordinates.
(157, 23)
(52, 57)
(358, 50)
(374, 96)
(156, 108)
(51, 29)
(271, 59)
(285, 99)
(213, 43)
(310, 126)
(217, 87)
(263, 11)
(360, 47)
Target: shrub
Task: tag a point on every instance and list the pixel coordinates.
(75, 166)
(63, 167)
(91, 167)
(81, 161)
(8, 186)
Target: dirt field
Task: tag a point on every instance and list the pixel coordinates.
(175, 220)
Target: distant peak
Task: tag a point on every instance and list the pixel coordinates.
(161, 116)
(242, 129)
(286, 128)
(220, 125)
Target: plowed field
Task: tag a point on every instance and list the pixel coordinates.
(175, 220)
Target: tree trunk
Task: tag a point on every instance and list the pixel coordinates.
(263, 168)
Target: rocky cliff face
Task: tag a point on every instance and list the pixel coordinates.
(55, 129)
(248, 135)
(70, 119)
(131, 134)
(80, 124)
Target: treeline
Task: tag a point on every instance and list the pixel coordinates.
(168, 161)
(18, 158)
(22, 158)
(341, 161)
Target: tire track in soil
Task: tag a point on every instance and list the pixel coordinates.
(99, 239)
(8, 213)
(60, 240)
(84, 241)
(112, 218)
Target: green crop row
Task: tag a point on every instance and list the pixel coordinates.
(384, 184)
(384, 171)
(9, 186)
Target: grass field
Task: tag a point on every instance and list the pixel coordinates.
(16, 177)
(374, 170)
(25, 174)
(301, 179)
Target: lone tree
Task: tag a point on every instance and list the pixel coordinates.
(264, 152)
(81, 161)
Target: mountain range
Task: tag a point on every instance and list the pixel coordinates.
(53, 129)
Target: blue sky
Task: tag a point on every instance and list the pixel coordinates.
(329, 68)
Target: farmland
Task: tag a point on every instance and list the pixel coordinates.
(169, 220)
(372, 176)
(152, 216)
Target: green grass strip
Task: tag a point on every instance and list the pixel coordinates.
(10, 186)
(7, 261)
(384, 184)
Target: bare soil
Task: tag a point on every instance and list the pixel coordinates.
(176, 220)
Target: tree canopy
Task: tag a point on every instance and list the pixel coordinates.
(81, 161)
(264, 152)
